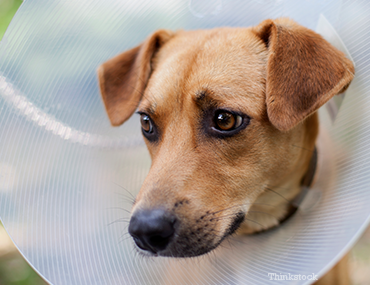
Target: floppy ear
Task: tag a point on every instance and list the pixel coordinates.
(123, 78)
(303, 71)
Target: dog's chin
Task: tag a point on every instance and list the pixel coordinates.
(177, 251)
(195, 242)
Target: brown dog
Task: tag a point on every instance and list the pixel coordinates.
(220, 111)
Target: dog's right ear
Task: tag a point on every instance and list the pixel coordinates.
(123, 78)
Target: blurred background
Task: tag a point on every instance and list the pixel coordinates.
(15, 270)
(7, 11)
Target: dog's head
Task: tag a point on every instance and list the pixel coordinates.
(227, 115)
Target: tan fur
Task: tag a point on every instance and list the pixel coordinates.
(277, 73)
(338, 275)
(123, 78)
(315, 73)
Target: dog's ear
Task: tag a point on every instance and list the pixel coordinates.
(123, 78)
(303, 71)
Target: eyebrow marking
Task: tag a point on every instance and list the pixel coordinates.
(199, 96)
(205, 96)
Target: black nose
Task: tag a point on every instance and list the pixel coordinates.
(152, 230)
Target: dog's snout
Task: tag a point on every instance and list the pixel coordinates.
(152, 230)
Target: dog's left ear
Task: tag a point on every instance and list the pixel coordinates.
(303, 71)
(123, 78)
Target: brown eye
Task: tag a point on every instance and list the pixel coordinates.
(146, 123)
(226, 121)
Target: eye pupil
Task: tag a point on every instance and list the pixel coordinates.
(146, 123)
(225, 121)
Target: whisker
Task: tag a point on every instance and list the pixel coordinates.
(122, 240)
(120, 186)
(309, 150)
(254, 222)
(239, 205)
(234, 239)
(119, 208)
(228, 208)
(118, 221)
(277, 193)
(222, 217)
(261, 212)
(126, 200)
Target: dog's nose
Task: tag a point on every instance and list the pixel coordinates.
(152, 230)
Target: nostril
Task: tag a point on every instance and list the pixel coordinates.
(152, 230)
(159, 242)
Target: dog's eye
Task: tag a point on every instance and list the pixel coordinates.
(226, 121)
(146, 123)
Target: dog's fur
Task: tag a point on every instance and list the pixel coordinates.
(276, 75)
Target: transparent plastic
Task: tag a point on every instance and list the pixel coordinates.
(67, 177)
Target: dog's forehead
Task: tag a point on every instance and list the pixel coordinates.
(225, 64)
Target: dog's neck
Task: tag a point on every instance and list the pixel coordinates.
(263, 216)
(307, 181)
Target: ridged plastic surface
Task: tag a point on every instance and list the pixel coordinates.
(67, 178)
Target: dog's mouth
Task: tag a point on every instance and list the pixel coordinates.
(159, 233)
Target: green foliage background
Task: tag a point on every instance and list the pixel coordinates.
(7, 10)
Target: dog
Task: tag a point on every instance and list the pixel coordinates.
(220, 111)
